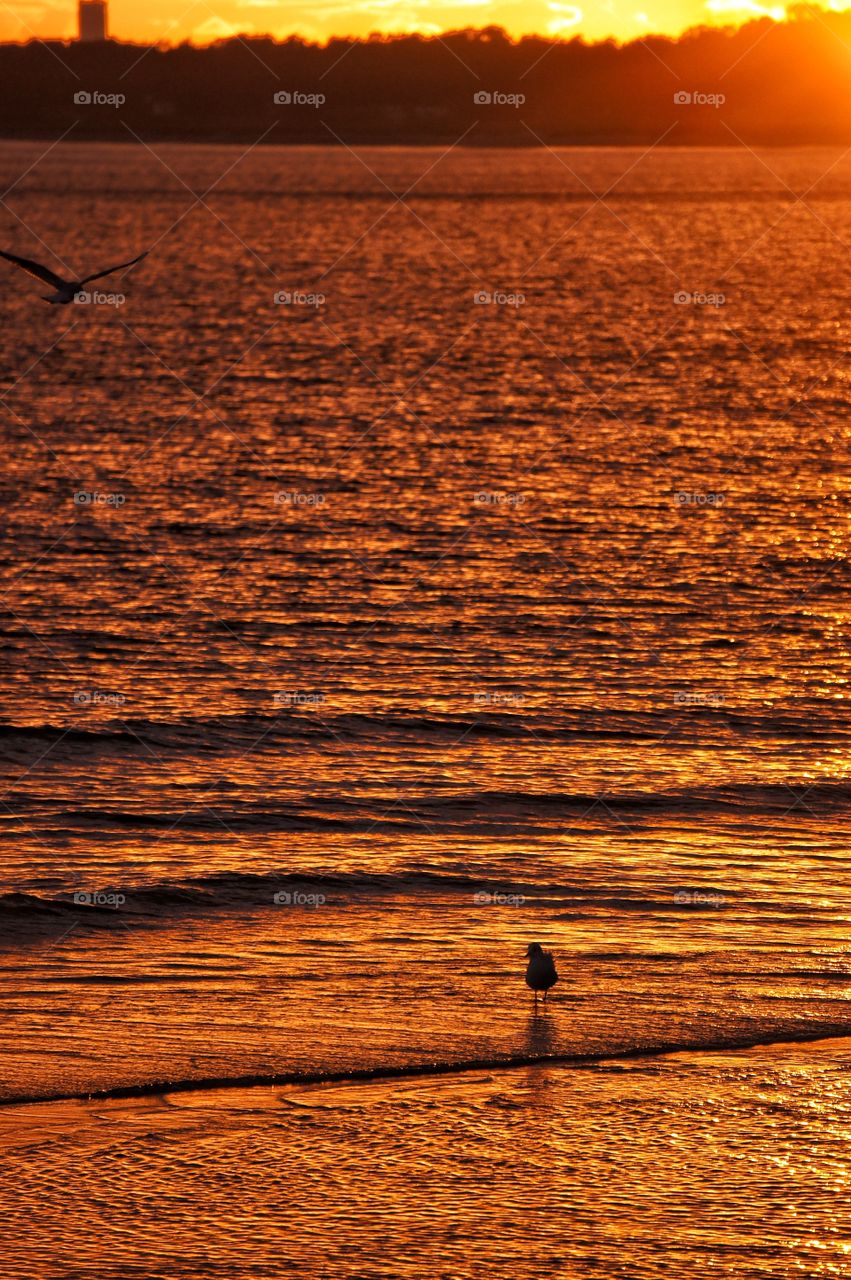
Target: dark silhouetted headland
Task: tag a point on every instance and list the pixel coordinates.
(765, 82)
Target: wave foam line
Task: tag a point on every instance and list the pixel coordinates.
(420, 1070)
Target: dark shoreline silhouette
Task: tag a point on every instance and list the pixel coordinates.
(770, 83)
(814, 1033)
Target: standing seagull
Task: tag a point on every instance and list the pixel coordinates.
(541, 970)
(66, 290)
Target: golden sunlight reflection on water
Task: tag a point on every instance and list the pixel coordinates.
(568, 628)
(736, 1164)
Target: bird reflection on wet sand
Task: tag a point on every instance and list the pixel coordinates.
(539, 1032)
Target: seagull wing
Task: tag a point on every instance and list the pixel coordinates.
(98, 275)
(35, 269)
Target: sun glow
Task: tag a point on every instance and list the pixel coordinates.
(155, 22)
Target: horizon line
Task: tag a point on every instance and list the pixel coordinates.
(795, 14)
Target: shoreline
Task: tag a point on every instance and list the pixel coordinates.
(317, 142)
(424, 1071)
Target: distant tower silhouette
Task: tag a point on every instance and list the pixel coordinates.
(91, 17)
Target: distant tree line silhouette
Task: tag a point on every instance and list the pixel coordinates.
(767, 82)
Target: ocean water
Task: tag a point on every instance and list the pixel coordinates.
(638, 1170)
(490, 587)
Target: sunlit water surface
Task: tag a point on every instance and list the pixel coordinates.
(729, 1165)
(349, 646)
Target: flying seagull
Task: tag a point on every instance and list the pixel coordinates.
(66, 290)
(541, 970)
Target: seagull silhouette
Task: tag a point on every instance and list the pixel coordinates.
(66, 290)
(541, 970)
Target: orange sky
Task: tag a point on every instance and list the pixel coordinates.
(205, 20)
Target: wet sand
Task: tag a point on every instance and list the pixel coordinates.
(730, 1163)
